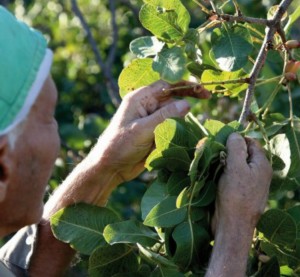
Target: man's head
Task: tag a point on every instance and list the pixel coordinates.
(28, 131)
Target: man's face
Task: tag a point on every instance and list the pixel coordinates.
(31, 162)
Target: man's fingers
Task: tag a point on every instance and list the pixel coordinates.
(257, 157)
(177, 108)
(237, 151)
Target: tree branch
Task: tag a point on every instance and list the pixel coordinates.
(270, 31)
(241, 18)
(111, 83)
(113, 48)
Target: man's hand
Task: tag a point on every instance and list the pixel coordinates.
(244, 186)
(242, 195)
(129, 138)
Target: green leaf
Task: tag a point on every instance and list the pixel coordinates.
(154, 194)
(112, 259)
(220, 131)
(172, 159)
(233, 89)
(166, 19)
(171, 133)
(207, 195)
(278, 227)
(137, 74)
(170, 64)
(146, 46)
(269, 269)
(292, 19)
(231, 46)
(177, 182)
(286, 271)
(165, 214)
(189, 239)
(130, 231)
(82, 226)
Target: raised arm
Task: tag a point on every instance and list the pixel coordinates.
(118, 156)
(242, 195)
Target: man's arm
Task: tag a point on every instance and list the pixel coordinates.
(118, 156)
(242, 195)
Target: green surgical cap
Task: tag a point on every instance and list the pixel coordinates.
(25, 63)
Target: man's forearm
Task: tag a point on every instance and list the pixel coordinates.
(90, 182)
(230, 252)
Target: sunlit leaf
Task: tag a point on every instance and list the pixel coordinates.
(146, 46)
(279, 146)
(231, 47)
(137, 74)
(170, 64)
(130, 231)
(167, 19)
(233, 89)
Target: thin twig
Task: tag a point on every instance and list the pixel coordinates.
(111, 83)
(232, 81)
(213, 5)
(237, 8)
(203, 8)
(270, 31)
(113, 48)
(241, 18)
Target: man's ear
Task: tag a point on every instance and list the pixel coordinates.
(4, 166)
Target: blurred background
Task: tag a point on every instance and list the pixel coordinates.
(90, 40)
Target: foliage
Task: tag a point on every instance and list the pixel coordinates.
(183, 44)
(174, 238)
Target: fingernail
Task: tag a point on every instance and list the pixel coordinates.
(182, 106)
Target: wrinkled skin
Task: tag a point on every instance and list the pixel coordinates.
(242, 195)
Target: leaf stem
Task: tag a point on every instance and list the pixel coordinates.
(260, 61)
(232, 81)
(265, 137)
(203, 8)
(261, 82)
(266, 106)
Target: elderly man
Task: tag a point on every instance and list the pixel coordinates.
(29, 145)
